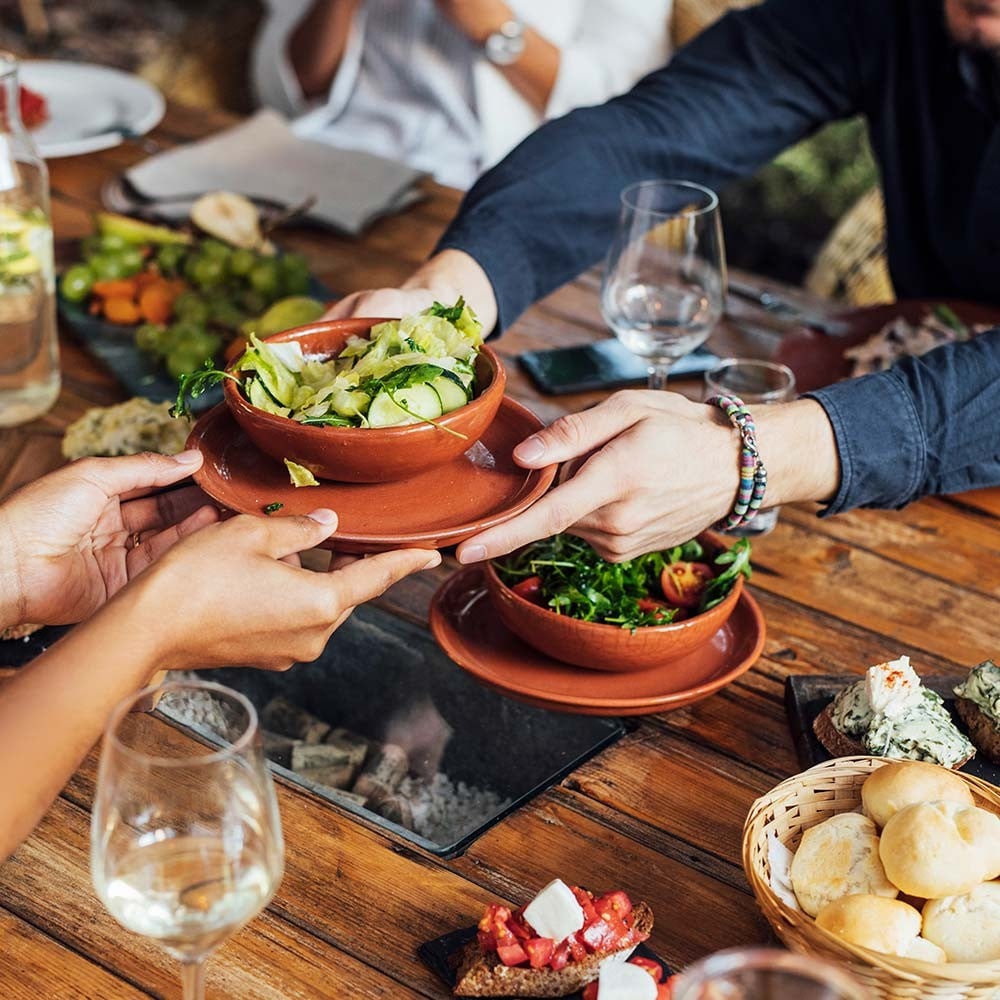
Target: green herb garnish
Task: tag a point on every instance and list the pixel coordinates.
(191, 385)
(451, 313)
(271, 508)
(576, 581)
(947, 316)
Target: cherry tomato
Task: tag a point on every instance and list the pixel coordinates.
(651, 606)
(684, 582)
(530, 589)
(590, 991)
(648, 965)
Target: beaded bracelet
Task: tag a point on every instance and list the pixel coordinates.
(753, 475)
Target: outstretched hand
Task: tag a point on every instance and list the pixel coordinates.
(72, 539)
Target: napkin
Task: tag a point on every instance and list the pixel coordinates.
(263, 158)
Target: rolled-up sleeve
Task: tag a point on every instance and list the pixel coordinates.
(928, 425)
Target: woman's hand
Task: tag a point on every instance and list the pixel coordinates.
(231, 594)
(72, 539)
(647, 470)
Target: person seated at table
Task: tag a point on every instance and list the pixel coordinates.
(158, 582)
(449, 86)
(927, 76)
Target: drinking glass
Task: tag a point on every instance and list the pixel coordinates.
(665, 276)
(757, 383)
(766, 974)
(186, 842)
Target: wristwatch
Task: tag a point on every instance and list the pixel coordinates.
(505, 45)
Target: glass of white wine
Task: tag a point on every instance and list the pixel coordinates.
(186, 842)
(665, 276)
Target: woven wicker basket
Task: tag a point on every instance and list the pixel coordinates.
(808, 799)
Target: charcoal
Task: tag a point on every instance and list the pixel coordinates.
(384, 770)
(282, 716)
(278, 747)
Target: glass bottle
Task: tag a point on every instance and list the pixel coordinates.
(29, 349)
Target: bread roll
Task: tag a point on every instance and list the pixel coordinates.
(900, 784)
(882, 924)
(935, 849)
(966, 927)
(836, 858)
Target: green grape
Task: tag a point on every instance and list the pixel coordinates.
(112, 243)
(294, 274)
(132, 260)
(76, 283)
(215, 249)
(264, 278)
(90, 246)
(242, 261)
(169, 258)
(209, 272)
(252, 301)
(151, 338)
(108, 267)
(190, 307)
(181, 361)
(224, 312)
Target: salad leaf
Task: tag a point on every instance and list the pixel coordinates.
(299, 474)
(737, 561)
(191, 385)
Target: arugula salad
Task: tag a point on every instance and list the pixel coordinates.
(406, 371)
(566, 575)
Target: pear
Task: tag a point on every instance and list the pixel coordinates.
(231, 218)
(296, 310)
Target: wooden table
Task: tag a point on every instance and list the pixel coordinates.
(659, 814)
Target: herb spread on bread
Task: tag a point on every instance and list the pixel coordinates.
(982, 687)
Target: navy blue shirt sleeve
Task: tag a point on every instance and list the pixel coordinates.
(738, 94)
(928, 425)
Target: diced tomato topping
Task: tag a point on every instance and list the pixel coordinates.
(603, 935)
(590, 991)
(518, 926)
(512, 954)
(665, 990)
(683, 583)
(492, 927)
(560, 957)
(576, 947)
(530, 589)
(617, 902)
(540, 951)
(648, 965)
(586, 901)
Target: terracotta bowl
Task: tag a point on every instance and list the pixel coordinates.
(367, 454)
(607, 647)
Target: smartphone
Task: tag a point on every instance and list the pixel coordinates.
(604, 364)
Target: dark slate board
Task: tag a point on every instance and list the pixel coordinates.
(442, 955)
(18, 652)
(139, 373)
(807, 695)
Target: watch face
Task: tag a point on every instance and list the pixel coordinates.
(505, 46)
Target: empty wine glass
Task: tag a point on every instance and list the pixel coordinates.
(186, 842)
(665, 276)
(766, 974)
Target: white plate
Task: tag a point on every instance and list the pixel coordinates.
(89, 106)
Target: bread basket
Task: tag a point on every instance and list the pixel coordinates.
(807, 799)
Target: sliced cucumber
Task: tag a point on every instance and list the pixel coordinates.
(262, 399)
(452, 394)
(422, 402)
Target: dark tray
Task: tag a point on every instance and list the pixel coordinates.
(139, 373)
(18, 652)
(807, 695)
(442, 955)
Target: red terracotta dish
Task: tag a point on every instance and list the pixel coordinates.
(464, 623)
(440, 506)
(607, 647)
(368, 454)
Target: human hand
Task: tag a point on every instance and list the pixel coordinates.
(229, 595)
(72, 539)
(443, 278)
(646, 470)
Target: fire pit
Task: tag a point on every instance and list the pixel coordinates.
(385, 726)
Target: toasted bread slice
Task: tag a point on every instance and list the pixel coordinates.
(834, 741)
(982, 729)
(484, 975)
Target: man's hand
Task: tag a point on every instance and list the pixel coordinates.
(72, 539)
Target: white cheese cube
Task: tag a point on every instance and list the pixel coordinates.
(892, 687)
(554, 912)
(619, 981)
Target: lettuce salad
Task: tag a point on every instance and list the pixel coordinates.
(406, 371)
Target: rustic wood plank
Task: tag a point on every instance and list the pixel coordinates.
(34, 965)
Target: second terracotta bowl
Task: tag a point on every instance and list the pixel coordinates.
(368, 454)
(606, 647)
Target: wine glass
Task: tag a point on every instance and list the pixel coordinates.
(766, 974)
(665, 275)
(186, 842)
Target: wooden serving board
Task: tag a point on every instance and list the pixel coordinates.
(807, 695)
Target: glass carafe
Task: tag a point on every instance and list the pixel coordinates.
(29, 352)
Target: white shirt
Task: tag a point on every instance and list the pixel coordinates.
(412, 87)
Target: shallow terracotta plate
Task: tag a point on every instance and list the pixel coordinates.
(818, 359)
(467, 628)
(440, 507)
